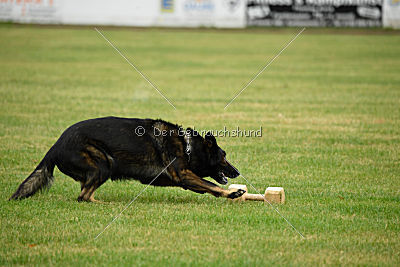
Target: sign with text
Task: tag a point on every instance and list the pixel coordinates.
(170, 13)
(308, 13)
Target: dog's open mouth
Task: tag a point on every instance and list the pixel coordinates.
(221, 178)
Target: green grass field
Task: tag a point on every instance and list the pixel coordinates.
(328, 107)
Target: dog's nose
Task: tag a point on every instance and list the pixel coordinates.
(236, 174)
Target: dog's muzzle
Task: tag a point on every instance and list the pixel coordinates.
(226, 172)
(221, 178)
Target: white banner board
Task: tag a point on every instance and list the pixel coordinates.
(208, 13)
(46, 11)
(171, 13)
(315, 13)
(391, 13)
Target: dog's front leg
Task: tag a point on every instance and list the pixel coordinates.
(189, 180)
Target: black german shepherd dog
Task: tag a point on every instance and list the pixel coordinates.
(94, 150)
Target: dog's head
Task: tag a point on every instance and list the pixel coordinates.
(218, 167)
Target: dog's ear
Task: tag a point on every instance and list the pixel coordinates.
(209, 139)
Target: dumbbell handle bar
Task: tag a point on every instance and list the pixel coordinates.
(256, 197)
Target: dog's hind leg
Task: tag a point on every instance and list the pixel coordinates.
(98, 172)
(87, 194)
(91, 199)
(94, 179)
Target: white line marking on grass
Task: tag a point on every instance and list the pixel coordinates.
(133, 66)
(294, 228)
(266, 66)
(116, 217)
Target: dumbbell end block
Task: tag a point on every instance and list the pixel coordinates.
(275, 194)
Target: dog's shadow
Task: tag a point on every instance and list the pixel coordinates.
(156, 199)
(158, 195)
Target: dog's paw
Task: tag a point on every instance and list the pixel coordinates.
(236, 194)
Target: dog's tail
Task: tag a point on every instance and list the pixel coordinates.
(40, 178)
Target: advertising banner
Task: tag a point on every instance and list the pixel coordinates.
(207, 13)
(308, 13)
(391, 13)
(170, 13)
(45, 11)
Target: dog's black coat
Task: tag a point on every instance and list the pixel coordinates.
(94, 150)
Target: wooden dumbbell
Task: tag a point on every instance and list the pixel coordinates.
(272, 194)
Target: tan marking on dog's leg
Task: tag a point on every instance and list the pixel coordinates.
(91, 199)
(89, 196)
(83, 192)
(89, 192)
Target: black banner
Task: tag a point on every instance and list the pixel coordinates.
(318, 13)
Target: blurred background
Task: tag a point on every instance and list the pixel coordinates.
(207, 13)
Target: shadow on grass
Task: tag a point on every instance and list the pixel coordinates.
(158, 199)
